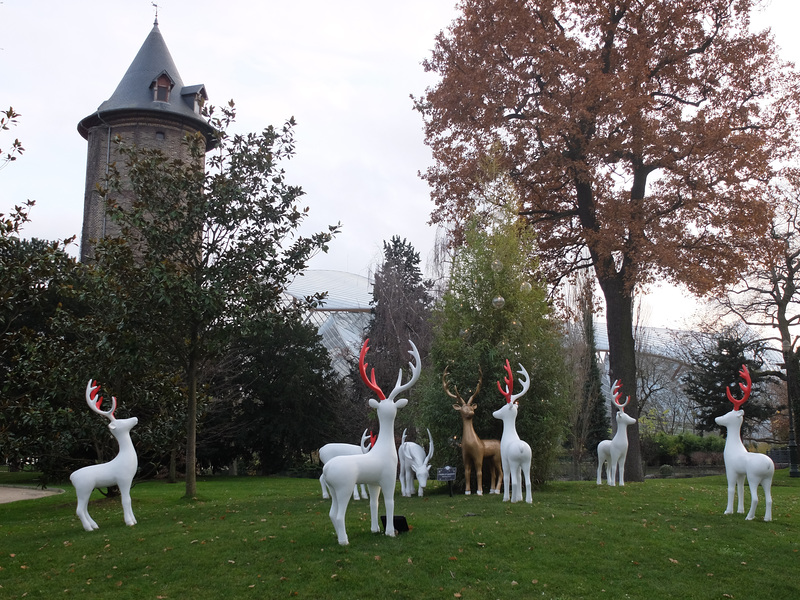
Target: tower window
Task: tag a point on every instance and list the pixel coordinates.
(159, 135)
(161, 88)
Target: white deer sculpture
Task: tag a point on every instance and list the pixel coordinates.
(739, 463)
(328, 451)
(378, 467)
(414, 462)
(119, 471)
(515, 453)
(613, 452)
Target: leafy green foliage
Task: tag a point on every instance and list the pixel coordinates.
(280, 403)
(8, 118)
(475, 334)
(209, 248)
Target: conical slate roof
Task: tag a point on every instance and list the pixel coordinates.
(134, 94)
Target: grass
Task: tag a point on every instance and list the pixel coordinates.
(272, 538)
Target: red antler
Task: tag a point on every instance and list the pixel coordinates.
(745, 387)
(92, 392)
(362, 368)
(509, 381)
(617, 393)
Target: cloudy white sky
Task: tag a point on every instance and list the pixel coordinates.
(343, 68)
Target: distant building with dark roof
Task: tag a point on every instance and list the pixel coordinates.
(150, 108)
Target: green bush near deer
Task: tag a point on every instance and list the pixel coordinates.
(272, 538)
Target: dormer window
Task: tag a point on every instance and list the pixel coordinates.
(194, 96)
(199, 100)
(161, 88)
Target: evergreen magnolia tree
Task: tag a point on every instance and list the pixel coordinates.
(638, 136)
(274, 398)
(716, 363)
(495, 309)
(209, 251)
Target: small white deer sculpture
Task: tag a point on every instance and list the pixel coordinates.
(414, 462)
(613, 452)
(378, 467)
(119, 471)
(739, 463)
(515, 453)
(328, 451)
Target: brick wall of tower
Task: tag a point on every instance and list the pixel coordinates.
(144, 132)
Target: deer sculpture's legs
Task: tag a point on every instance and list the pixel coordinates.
(340, 498)
(526, 469)
(479, 477)
(767, 485)
(753, 483)
(374, 501)
(604, 458)
(496, 476)
(388, 503)
(740, 490)
(516, 483)
(621, 469)
(127, 510)
(735, 481)
(83, 512)
(324, 487)
(507, 481)
(83, 491)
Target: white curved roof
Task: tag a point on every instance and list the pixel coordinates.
(346, 291)
(342, 317)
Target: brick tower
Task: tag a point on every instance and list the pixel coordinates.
(150, 108)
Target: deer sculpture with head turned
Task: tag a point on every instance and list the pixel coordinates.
(414, 462)
(119, 471)
(516, 454)
(378, 467)
(739, 463)
(328, 451)
(473, 449)
(613, 452)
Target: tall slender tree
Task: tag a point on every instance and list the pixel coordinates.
(495, 310)
(638, 136)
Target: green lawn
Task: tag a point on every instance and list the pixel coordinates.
(272, 538)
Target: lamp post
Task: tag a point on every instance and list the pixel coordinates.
(790, 361)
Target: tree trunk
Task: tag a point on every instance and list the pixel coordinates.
(191, 426)
(622, 357)
(173, 468)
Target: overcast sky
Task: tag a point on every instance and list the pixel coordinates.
(343, 68)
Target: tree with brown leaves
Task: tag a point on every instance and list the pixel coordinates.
(638, 134)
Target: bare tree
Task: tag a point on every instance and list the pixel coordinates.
(766, 296)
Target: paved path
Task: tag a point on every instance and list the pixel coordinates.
(13, 493)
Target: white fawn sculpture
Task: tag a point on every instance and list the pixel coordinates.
(378, 467)
(328, 451)
(414, 462)
(119, 471)
(516, 454)
(613, 452)
(739, 463)
(473, 449)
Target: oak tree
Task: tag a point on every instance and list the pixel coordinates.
(638, 135)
